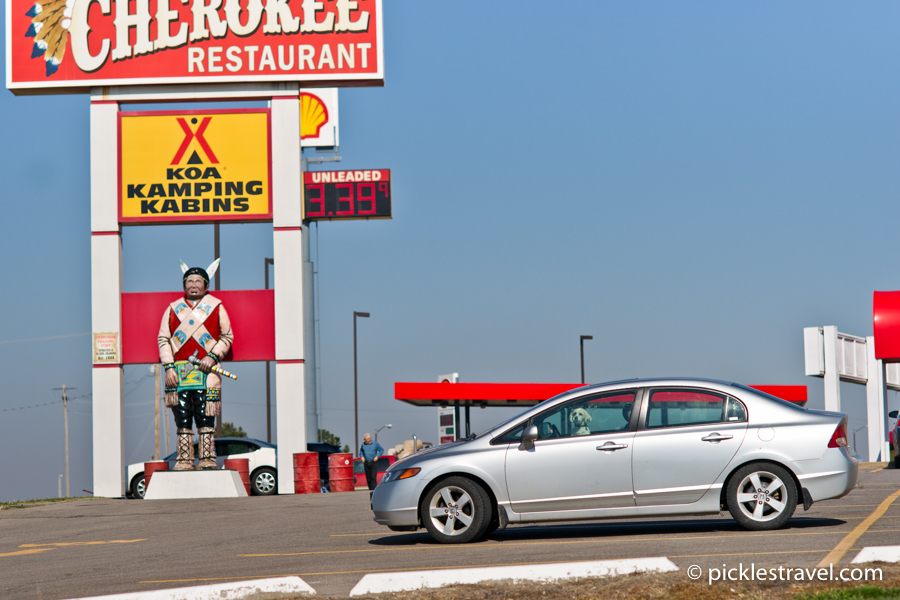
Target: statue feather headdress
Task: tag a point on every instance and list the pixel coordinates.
(50, 22)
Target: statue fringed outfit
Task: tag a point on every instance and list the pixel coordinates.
(196, 325)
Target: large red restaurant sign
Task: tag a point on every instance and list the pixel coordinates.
(70, 45)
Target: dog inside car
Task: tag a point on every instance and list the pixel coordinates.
(579, 417)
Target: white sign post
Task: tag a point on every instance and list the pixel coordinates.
(840, 357)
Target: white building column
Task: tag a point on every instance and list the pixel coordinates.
(832, 373)
(876, 406)
(106, 303)
(287, 220)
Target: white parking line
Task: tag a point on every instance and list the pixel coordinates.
(883, 553)
(377, 583)
(275, 587)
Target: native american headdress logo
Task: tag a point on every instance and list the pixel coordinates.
(50, 22)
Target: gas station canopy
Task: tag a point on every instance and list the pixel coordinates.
(478, 394)
(525, 394)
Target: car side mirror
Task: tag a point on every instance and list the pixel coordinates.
(893, 414)
(528, 437)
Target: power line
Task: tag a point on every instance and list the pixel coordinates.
(32, 406)
(41, 339)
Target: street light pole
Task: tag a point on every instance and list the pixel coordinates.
(363, 315)
(389, 425)
(66, 426)
(581, 341)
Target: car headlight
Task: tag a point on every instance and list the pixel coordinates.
(399, 474)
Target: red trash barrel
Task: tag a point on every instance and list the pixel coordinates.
(340, 473)
(150, 468)
(242, 466)
(306, 473)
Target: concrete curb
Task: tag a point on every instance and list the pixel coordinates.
(234, 590)
(872, 553)
(377, 583)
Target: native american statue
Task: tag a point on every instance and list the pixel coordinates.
(194, 336)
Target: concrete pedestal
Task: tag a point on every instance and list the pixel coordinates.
(172, 485)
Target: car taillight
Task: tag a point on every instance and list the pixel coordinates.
(839, 437)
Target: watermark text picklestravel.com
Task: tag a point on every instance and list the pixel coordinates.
(753, 573)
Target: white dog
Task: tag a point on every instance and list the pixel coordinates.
(580, 418)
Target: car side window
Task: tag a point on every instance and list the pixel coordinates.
(736, 411)
(591, 415)
(683, 407)
(514, 435)
(238, 448)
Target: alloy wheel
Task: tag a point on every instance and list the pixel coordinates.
(762, 496)
(451, 510)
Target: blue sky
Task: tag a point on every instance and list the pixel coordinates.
(691, 183)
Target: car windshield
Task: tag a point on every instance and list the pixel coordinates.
(505, 423)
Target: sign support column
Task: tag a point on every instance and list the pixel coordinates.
(287, 198)
(106, 305)
(832, 373)
(876, 406)
(309, 341)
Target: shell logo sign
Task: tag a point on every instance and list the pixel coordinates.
(71, 45)
(319, 118)
(194, 166)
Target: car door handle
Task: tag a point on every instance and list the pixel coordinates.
(611, 446)
(716, 437)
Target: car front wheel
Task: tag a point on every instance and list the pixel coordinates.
(263, 482)
(762, 496)
(455, 511)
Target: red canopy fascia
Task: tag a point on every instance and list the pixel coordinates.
(526, 394)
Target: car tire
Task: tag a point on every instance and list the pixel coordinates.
(264, 482)
(138, 486)
(456, 510)
(762, 496)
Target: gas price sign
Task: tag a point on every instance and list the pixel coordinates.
(345, 195)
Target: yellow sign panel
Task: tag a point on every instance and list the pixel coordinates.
(195, 166)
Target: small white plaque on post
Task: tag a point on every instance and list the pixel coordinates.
(106, 348)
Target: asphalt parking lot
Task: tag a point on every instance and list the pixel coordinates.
(94, 547)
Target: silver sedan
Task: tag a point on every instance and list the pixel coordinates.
(638, 448)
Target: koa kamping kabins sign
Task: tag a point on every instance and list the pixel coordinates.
(195, 166)
(70, 45)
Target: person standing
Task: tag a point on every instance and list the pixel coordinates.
(370, 452)
(196, 324)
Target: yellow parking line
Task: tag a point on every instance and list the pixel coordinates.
(80, 543)
(21, 552)
(609, 540)
(844, 545)
(374, 533)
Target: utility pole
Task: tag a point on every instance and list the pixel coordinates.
(155, 369)
(364, 315)
(268, 261)
(66, 425)
(581, 343)
(217, 288)
(168, 446)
